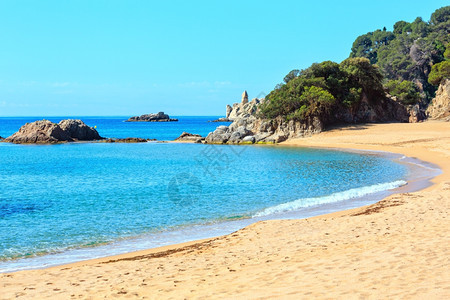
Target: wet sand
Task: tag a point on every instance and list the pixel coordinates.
(396, 248)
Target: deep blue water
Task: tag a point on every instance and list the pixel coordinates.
(59, 197)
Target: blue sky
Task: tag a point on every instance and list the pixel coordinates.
(92, 58)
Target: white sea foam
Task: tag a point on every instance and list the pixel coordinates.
(336, 197)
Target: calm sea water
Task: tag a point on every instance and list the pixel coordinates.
(59, 197)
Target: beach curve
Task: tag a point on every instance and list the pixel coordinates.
(394, 248)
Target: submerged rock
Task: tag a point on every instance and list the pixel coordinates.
(159, 117)
(129, 140)
(189, 137)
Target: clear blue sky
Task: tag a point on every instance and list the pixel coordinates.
(81, 58)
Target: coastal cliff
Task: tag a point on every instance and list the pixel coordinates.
(439, 107)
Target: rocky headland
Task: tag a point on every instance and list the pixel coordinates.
(248, 127)
(46, 132)
(159, 117)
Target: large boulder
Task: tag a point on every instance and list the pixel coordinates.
(78, 130)
(39, 132)
(159, 117)
(439, 107)
(46, 132)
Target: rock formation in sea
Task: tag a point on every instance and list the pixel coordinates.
(439, 107)
(189, 137)
(46, 132)
(248, 127)
(159, 117)
(78, 130)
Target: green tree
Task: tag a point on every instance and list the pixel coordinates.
(291, 75)
(439, 72)
(441, 15)
(399, 27)
(405, 91)
(313, 102)
(364, 75)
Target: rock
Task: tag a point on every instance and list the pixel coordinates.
(244, 98)
(159, 117)
(128, 140)
(439, 107)
(249, 139)
(78, 130)
(39, 132)
(239, 110)
(221, 120)
(229, 109)
(46, 132)
(416, 114)
(189, 137)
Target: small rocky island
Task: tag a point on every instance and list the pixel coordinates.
(159, 117)
(46, 132)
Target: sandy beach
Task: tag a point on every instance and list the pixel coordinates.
(396, 248)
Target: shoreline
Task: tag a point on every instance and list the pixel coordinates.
(272, 236)
(118, 249)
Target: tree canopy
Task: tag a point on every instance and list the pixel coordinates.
(410, 51)
(315, 91)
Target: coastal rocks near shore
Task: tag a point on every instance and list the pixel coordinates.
(159, 117)
(439, 107)
(46, 132)
(249, 128)
(78, 130)
(189, 137)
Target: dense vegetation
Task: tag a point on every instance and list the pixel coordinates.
(407, 63)
(410, 51)
(314, 92)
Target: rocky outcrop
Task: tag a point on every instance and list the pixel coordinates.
(439, 107)
(248, 128)
(39, 132)
(159, 117)
(242, 109)
(244, 98)
(46, 132)
(189, 137)
(78, 130)
(219, 120)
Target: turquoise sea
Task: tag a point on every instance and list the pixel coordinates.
(62, 203)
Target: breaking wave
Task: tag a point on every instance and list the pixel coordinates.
(336, 197)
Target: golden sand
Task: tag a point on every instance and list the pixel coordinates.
(396, 248)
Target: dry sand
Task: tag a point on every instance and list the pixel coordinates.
(396, 248)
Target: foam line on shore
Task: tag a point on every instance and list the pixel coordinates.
(335, 197)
